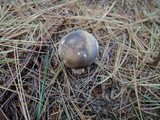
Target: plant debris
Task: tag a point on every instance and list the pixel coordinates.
(120, 85)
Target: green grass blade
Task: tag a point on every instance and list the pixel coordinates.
(42, 92)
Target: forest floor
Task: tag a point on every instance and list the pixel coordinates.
(123, 84)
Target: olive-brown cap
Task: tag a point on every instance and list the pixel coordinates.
(78, 49)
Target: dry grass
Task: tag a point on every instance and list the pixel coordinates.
(119, 86)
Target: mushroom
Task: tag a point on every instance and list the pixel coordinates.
(78, 50)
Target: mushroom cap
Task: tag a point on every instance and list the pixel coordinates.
(78, 49)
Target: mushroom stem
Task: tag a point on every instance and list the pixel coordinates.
(78, 71)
